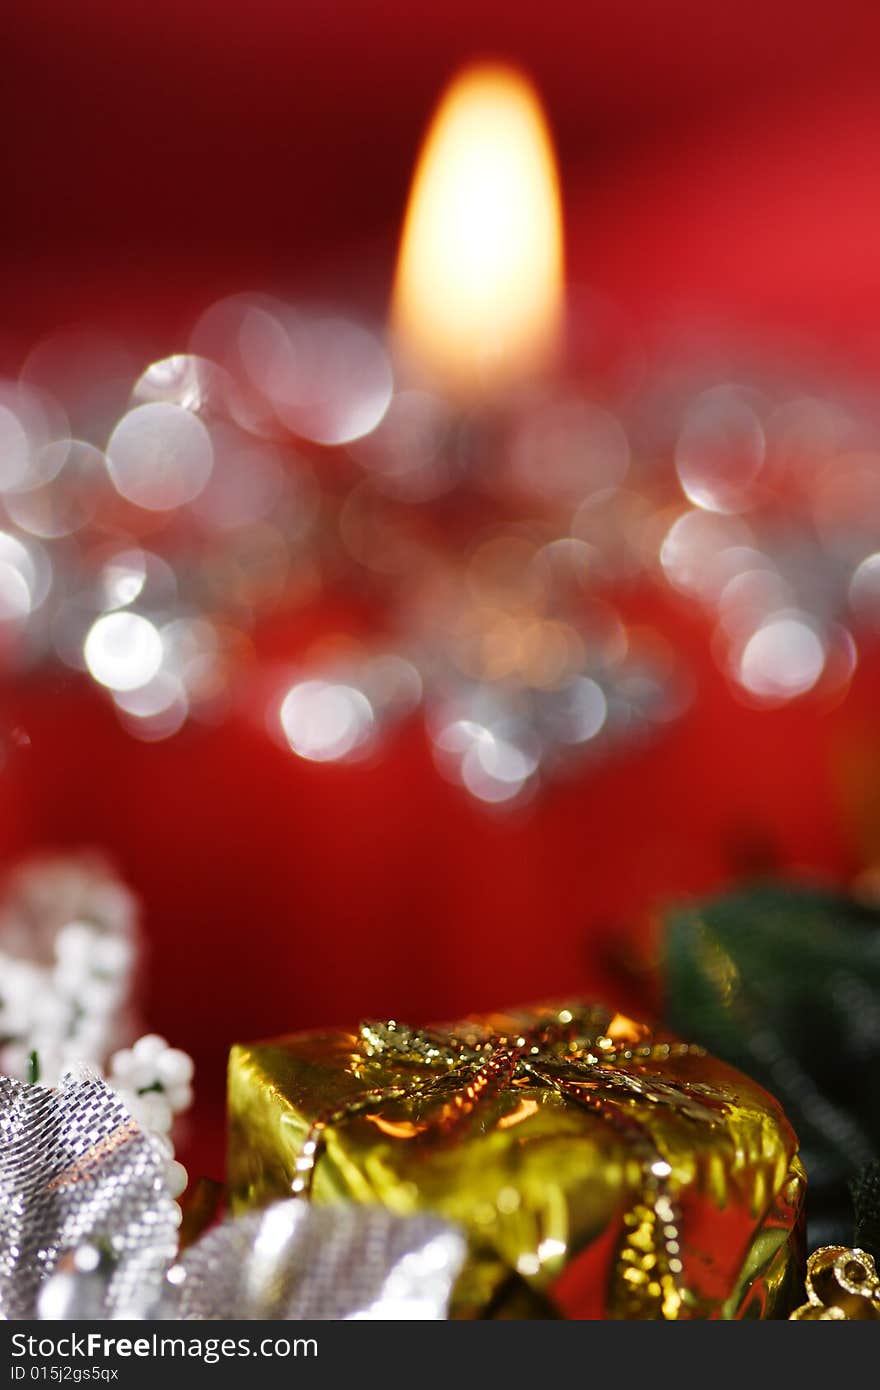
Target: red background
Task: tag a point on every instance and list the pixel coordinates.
(716, 160)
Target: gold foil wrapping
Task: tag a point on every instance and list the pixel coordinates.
(600, 1170)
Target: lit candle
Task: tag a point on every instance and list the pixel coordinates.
(478, 297)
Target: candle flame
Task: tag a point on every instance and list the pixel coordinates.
(478, 297)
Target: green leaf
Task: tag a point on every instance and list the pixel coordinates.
(784, 982)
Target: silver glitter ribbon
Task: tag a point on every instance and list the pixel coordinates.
(74, 1167)
(88, 1230)
(293, 1260)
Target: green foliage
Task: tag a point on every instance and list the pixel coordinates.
(784, 982)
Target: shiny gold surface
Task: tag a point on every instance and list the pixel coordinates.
(842, 1285)
(600, 1170)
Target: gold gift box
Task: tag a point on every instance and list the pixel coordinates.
(600, 1170)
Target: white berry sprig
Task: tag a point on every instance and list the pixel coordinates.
(68, 954)
(154, 1081)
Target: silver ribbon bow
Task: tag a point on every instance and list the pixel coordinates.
(88, 1230)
